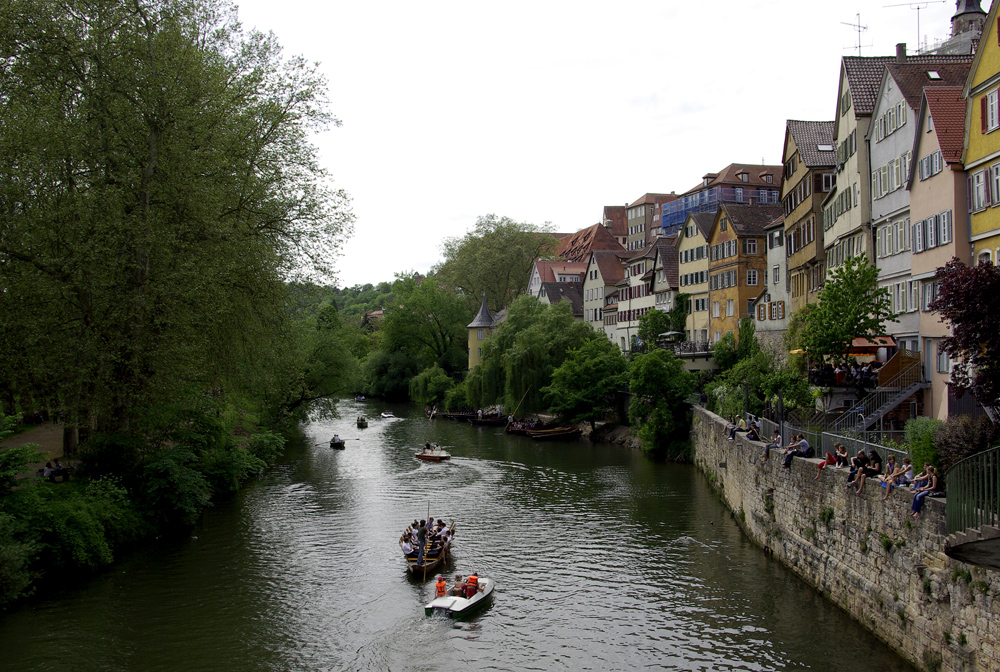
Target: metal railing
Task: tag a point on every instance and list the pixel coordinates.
(822, 442)
(973, 486)
(865, 412)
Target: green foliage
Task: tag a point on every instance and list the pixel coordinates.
(826, 515)
(886, 542)
(585, 385)
(724, 352)
(651, 325)
(851, 305)
(13, 462)
(16, 554)
(678, 314)
(266, 446)
(457, 398)
(660, 387)
(430, 386)
(496, 257)
(387, 374)
(519, 359)
(427, 321)
(175, 492)
(919, 435)
(226, 467)
(746, 344)
(962, 436)
(177, 190)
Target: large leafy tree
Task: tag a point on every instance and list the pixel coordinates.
(652, 324)
(585, 385)
(660, 386)
(157, 187)
(851, 305)
(428, 321)
(969, 298)
(496, 257)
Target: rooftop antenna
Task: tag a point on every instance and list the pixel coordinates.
(918, 6)
(858, 27)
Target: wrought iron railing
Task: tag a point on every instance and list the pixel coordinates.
(973, 487)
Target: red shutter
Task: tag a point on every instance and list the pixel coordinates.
(982, 114)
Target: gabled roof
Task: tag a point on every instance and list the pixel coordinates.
(947, 108)
(554, 292)
(748, 220)
(864, 76)
(547, 269)
(611, 265)
(728, 175)
(970, 83)
(913, 78)
(703, 220)
(808, 136)
(667, 256)
(615, 215)
(654, 198)
(484, 319)
(576, 247)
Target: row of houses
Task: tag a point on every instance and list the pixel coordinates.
(906, 174)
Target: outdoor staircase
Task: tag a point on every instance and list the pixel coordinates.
(977, 546)
(899, 381)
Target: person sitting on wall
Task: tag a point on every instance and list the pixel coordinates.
(901, 476)
(874, 469)
(774, 445)
(740, 426)
(753, 433)
(858, 462)
(840, 459)
(800, 448)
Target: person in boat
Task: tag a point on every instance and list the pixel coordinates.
(427, 448)
(440, 587)
(458, 588)
(406, 546)
(472, 585)
(421, 541)
(336, 438)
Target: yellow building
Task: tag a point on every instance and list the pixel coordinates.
(981, 152)
(692, 273)
(737, 263)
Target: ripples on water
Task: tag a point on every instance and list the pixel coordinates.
(604, 560)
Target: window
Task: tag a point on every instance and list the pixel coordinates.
(715, 309)
(480, 334)
(751, 277)
(749, 246)
(750, 306)
(943, 361)
(984, 257)
(980, 195)
(480, 353)
(730, 308)
(723, 223)
(739, 194)
(769, 179)
(990, 111)
(944, 234)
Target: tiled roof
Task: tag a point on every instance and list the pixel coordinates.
(703, 220)
(578, 246)
(547, 269)
(611, 265)
(755, 177)
(654, 198)
(617, 216)
(808, 135)
(947, 109)
(912, 78)
(864, 76)
(669, 260)
(752, 219)
(555, 292)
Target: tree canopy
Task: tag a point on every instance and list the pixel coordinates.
(496, 257)
(851, 305)
(157, 188)
(660, 387)
(969, 298)
(585, 385)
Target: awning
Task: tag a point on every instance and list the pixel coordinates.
(862, 346)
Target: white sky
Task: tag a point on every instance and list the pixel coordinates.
(548, 111)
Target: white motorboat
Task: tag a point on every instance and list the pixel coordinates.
(460, 607)
(387, 414)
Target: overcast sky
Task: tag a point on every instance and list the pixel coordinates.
(547, 111)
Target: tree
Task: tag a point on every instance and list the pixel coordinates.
(651, 325)
(969, 298)
(851, 305)
(584, 386)
(496, 257)
(660, 387)
(724, 352)
(431, 386)
(679, 313)
(156, 189)
(428, 321)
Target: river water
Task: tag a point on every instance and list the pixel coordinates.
(604, 560)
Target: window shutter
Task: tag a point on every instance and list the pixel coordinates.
(968, 190)
(982, 113)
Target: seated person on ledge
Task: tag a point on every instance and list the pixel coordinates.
(741, 426)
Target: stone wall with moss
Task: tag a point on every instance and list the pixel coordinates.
(885, 568)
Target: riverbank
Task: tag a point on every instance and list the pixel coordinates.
(887, 570)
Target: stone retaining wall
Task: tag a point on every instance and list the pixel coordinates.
(868, 556)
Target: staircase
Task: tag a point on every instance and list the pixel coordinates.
(972, 509)
(897, 384)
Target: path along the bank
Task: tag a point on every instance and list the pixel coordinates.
(48, 437)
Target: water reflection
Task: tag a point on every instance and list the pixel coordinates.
(604, 561)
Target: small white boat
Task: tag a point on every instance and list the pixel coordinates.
(460, 607)
(387, 414)
(434, 454)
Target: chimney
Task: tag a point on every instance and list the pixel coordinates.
(901, 52)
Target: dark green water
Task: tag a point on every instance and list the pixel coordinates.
(604, 560)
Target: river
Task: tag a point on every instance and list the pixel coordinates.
(604, 560)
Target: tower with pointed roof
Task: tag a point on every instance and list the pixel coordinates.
(479, 329)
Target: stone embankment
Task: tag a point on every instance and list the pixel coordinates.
(868, 556)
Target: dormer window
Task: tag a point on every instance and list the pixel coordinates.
(744, 177)
(933, 74)
(768, 178)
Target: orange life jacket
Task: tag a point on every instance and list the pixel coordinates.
(474, 581)
(442, 587)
